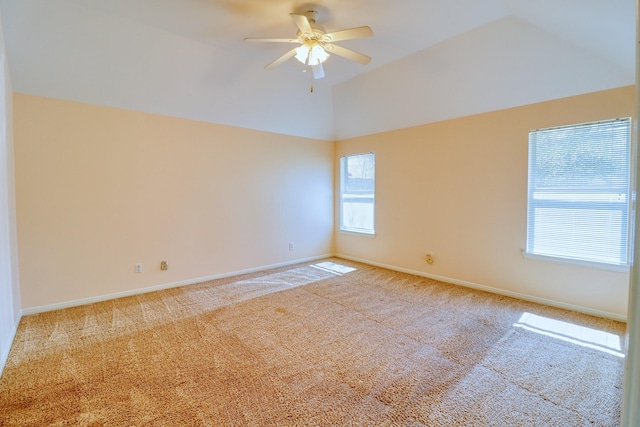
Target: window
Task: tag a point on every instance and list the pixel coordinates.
(357, 193)
(579, 192)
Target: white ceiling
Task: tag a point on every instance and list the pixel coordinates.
(432, 59)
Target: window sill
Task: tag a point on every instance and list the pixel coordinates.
(358, 233)
(578, 262)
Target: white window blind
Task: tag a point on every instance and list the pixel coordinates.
(579, 192)
(357, 193)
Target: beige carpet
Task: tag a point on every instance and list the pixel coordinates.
(330, 343)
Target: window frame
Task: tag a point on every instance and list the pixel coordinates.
(626, 207)
(341, 227)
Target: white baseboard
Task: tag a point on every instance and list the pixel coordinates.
(525, 297)
(100, 298)
(5, 354)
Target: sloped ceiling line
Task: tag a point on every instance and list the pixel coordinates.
(431, 59)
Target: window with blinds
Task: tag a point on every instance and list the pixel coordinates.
(579, 192)
(357, 193)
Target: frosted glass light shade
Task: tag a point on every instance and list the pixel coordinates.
(311, 53)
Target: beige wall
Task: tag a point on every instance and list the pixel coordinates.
(101, 189)
(458, 189)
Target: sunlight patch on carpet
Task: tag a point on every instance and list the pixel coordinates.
(288, 279)
(332, 267)
(574, 334)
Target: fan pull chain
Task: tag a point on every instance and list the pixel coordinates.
(311, 87)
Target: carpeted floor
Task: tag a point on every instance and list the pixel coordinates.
(330, 343)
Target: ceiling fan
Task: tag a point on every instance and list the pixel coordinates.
(316, 44)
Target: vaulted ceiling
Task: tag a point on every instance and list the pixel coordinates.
(432, 59)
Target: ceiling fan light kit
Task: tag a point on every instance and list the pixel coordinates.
(311, 53)
(315, 43)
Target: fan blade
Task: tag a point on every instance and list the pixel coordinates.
(352, 33)
(265, 39)
(318, 71)
(348, 53)
(301, 22)
(280, 60)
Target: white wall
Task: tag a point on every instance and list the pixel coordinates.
(496, 66)
(9, 286)
(110, 59)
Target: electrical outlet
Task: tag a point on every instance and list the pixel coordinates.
(428, 258)
(164, 265)
(138, 268)
(292, 246)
